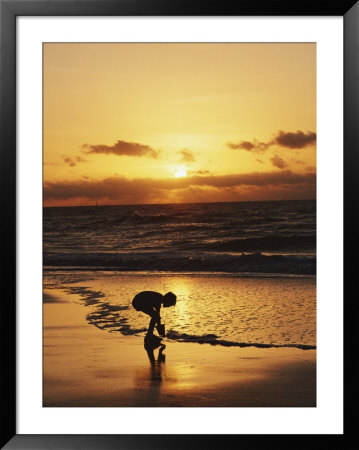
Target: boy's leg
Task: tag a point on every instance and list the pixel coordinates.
(150, 312)
(154, 320)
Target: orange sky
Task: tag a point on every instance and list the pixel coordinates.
(164, 123)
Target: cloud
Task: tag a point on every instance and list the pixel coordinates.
(296, 140)
(243, 145)
(122, 148)
(255, 146)
(73, 161)
(199, 172)
(150, 190)
(278, 162)
(81, 159)
(69, 161)
(297, 161)
(186, 156)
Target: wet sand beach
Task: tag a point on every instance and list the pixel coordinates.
(85, 366)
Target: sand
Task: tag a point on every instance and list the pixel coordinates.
(88, 367)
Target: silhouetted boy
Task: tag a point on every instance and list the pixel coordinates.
(150, 303)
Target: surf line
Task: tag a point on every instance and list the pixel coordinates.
(213, 340)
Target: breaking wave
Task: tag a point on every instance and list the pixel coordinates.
(255, 262)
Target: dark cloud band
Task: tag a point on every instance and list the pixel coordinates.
(143, 189)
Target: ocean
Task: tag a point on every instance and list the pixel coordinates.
(243, 273)
(276, 237)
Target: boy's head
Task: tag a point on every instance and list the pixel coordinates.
(169, 299)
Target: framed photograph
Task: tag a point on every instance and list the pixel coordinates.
(174, 179)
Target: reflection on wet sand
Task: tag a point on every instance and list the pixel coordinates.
(150, 348)
(149, 381)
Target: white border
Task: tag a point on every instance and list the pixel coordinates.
(327, 33)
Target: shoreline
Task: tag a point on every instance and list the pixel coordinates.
(88, 367)
(169, 272)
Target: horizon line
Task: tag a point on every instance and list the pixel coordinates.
(181, 203)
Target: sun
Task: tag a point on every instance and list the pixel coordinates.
(180, 172)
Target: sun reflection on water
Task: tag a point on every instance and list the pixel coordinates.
(261, 310)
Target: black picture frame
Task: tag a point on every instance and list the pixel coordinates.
(9, 10)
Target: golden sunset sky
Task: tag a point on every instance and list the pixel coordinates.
(168, 123)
